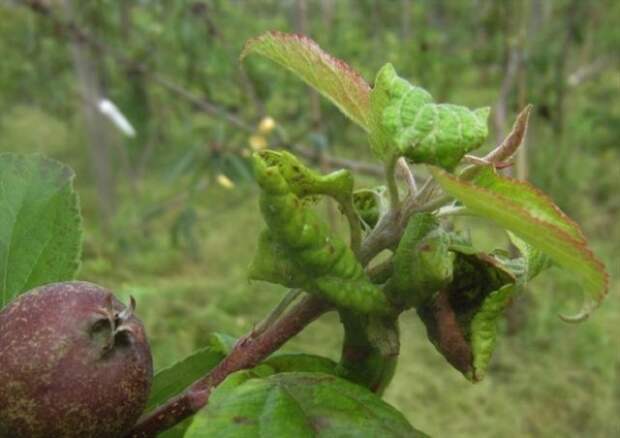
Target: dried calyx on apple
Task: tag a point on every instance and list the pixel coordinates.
(74, 362)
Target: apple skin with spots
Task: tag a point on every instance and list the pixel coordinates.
(74, 362)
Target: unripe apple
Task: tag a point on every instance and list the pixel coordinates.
(74, 362)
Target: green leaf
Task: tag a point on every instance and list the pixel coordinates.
(534, 260)
(272, 263)
(370, 205)
(222, 343)
(381, 141)
(532, 216)
(331, 77)
(300, 362)
(304, 181)
(296, 405)
(331, 268)
(370, 349)
(174, 379)
(422, 262)
(40, 224)
(426, 132)
(484, 328)
(171, 381)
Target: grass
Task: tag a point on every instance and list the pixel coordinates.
(547, 379)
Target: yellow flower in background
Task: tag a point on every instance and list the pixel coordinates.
(225, 182)
(266, 125)
(257, 142)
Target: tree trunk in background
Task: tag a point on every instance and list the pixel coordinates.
(99, 141)
(500, 119)
(301, 26)
(405, 23)
(327, 14)
(572, 15)
(526, 35)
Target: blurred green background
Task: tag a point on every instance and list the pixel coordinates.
(171, 213)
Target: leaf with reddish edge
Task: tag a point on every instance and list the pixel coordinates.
(331, 77)
(531, 215)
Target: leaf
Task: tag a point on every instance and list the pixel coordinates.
(370, 205)
(422, 262)
(370, 349)
(534, 260)
(272, 263)
(513, 140)
(40, 224)
(296, 405)
(222, 343)
(531, 215)
(329, 265)
(484, 328)
(381, 141)
(331, 77)
(304, 181)
(426, 132)
(300, 362)
(174, 379)
(461, 320)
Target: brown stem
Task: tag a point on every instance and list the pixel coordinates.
(247, 353)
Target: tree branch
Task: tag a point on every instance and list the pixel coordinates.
(247, 353)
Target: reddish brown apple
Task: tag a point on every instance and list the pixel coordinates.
(74, 362)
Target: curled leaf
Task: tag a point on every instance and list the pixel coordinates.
(522, 209)
(330, 266)
(513, 140)
(304, 181)
(461, 319)
(271, 263)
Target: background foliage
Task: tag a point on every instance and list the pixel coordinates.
(171, 214)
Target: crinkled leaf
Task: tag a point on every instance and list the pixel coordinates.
(531, 215)
(358, 294)
(40, 224)
(304, 181)
(331, 77)
(271, 263)
(423, 261)
(296, 405)
(381, 142)
(427, 132)
(330, 265)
